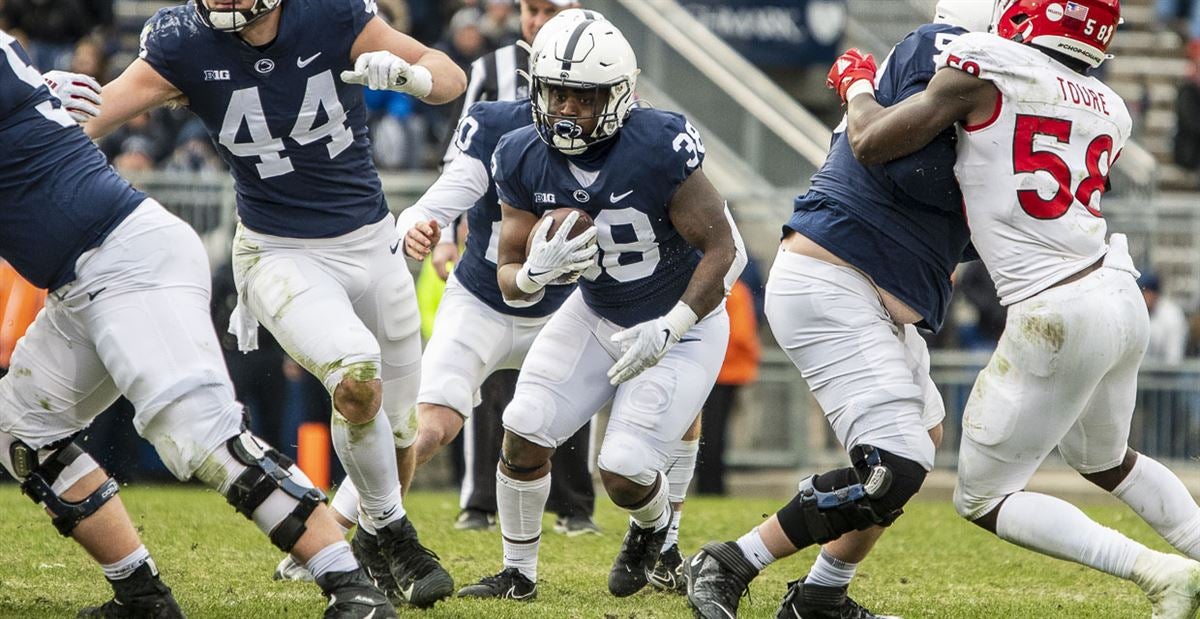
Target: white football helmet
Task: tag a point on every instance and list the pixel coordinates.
(591, 55)
(973, 15)
(235, 20)
(563, 21)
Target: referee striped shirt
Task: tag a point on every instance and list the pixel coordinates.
(493, 78)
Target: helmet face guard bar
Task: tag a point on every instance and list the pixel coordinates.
(237, 19)
(565, 132)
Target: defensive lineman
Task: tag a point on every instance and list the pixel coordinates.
(128, 314)
(867, 253)
(1038, 136)
(315, 253)
(652, 303)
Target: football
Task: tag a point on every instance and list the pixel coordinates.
(558, 215)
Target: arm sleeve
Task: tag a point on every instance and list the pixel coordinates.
(460, 186)
(462, 108)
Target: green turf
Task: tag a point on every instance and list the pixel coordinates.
(930, 564)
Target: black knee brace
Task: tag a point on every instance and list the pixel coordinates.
(872, 492)
(38, 482)
(266, 472)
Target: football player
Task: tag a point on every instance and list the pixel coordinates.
(1037, 137)
(316, 255)
(867, 254)
(647, 327)
(456, 359)
(128, 313)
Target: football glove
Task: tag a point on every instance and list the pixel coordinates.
(79, 93)
(383, 70)
(644, 344)
(849, 68)
(557, 257)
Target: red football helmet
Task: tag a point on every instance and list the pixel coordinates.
(1081, 29)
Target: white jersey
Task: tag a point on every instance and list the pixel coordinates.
(1032, 176)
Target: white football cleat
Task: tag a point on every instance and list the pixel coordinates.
(288, 569)
(1171, 582)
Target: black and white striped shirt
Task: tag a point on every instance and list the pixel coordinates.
(493, 78)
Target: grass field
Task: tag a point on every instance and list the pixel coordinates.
(931, 564)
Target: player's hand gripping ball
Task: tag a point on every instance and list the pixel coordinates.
(561, 247)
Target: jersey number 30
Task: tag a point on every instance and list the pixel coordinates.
(1028, 160)
(245, 107)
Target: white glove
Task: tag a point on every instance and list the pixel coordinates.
(383, 70)
(79, 93)
(644, 344)
(557, 256)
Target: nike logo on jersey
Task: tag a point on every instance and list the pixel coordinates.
(92, 295)
(304, 62)
(395, 246)
(614, 198)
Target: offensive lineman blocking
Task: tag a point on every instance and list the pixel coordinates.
(1038, 137)
(128, 314)
(315, 256)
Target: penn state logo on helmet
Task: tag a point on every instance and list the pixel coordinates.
(234, 19)
(593, 60)
(1079, 29)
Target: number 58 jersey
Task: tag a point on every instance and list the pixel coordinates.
(293, 134)
(1032, 176)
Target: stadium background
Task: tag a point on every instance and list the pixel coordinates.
(749, 73)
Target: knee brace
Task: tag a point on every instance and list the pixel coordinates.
(38, 481)
(872, 492)
(267, 471)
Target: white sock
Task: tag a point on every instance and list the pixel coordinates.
(830, 571)
(123, 568)
(368, 453)
(345, 503)
(673, 532)
(1056, 528)
(335, 557)
(683, 466)
(755, 549)
(655, 511)
(1157, 495)
(520, 505)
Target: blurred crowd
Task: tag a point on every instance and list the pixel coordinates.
(1183, 17)
(84, 36)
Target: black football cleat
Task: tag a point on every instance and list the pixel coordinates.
(352, 595)
(633, 565)
(807, 601)
(717, 578)
(365, 547)
(668, 573)
(509, 584)
(142, 595)
(420, 579)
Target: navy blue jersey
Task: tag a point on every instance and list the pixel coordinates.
(477, 135)
(58, 195)
(901, 222)
(293, 134)
(625, 185)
